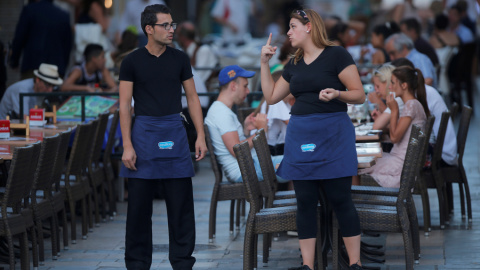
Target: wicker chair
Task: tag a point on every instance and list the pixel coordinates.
(261, 221)
(41, 194)
(58, 192)
(243, 112)
(456, 174)
(432, 178)
(108, 167)
(75, 182)
(26, 211)
(420, 185)
(268, 186)
(274, 197)
(96, 173)
(14, 222)
(222, 191)
(399, 218)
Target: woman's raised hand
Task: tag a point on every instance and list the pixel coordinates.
(391, 102)
(267, 51)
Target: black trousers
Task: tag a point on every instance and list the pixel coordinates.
(178, 196)
(338, 193)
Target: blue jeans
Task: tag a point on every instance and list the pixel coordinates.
(275, 160)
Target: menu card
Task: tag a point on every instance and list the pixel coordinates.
(4, 129)
(37, 117)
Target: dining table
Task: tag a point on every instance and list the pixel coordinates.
(364, 132)
(37, 133)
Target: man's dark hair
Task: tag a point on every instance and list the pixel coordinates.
(386, 29)
(402, 62)
(92, 50)
(412, 23)
(188, 33)
(336, 31)
(149, 15)
(441, 21)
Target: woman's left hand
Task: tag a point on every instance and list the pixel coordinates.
(328, 94)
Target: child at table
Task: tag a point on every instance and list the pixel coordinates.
(91, 75)
(408, 84)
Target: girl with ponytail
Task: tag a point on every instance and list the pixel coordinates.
(408, 84)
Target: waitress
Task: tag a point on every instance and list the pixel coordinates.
(156, 150)
(320, 141)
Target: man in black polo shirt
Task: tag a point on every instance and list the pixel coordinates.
(156, 150)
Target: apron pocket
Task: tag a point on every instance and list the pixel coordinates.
(169, 143)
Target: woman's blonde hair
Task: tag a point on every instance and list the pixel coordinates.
(384, 73)
(318, 32)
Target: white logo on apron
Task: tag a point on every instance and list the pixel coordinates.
(165, 145)
(310, 147)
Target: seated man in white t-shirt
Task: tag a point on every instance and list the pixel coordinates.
(225, 129)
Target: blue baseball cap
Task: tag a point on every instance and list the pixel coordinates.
(230, 73)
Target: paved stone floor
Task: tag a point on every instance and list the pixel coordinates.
(456, 247)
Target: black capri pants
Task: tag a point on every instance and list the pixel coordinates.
(338, 193)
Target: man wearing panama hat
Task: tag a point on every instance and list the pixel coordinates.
(46, 77)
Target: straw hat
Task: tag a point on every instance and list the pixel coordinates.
(48, 73)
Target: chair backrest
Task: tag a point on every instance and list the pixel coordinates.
(111, 138)
(463, 131)
(61, 157)
(216, 167)
(80, 150)
(242, 113)
(411, 164)
(31, 172)
(428, 132)
(98, 138)
(266, 164)
(17, 178)
(438, 149)
(249, 176)
(46, 164)
(90, 143)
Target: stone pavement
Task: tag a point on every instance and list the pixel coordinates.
(456, 247)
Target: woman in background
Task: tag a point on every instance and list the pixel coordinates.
(408, 84)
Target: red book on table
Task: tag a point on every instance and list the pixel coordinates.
(37, 117)
(4, 129)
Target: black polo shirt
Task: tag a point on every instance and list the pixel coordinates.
(157, 81)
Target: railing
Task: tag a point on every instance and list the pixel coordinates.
(83, 95)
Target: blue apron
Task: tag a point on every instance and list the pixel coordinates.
(319, 146)
(162, 148)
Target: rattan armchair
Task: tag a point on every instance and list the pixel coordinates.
(456, 174)
(108, 166)
(75, 182)
(382, 217)
(261, 221)
(26, 211)
(41, 194)
(433, 179)
(58, 192)
(222, 191)
(96, 173)
(274, 197)
(13, 219)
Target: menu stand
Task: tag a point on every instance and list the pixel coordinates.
(21, 125)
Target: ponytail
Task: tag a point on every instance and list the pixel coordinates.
(420, 91)
(416, 84)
